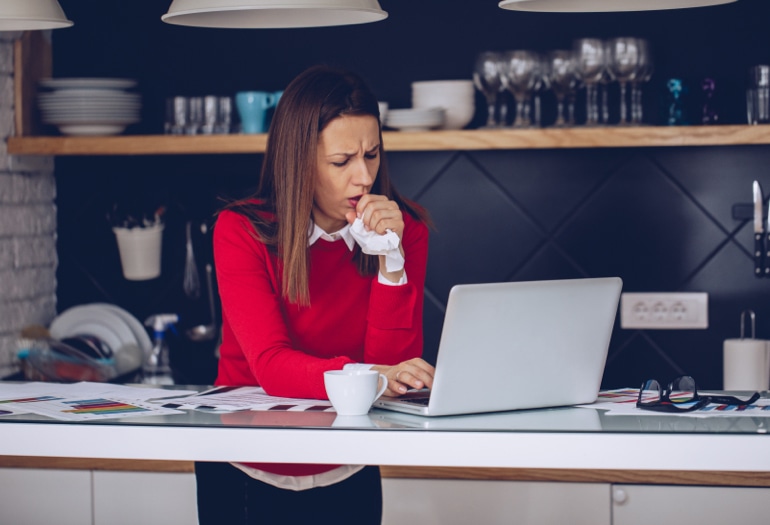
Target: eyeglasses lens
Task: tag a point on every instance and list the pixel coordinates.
(651, 391)
(682, 390)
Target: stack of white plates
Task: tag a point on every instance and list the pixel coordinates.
(89, 106)
(455, 96)
(118, 329)
(415, 119)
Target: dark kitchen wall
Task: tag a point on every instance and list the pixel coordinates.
(660, 218)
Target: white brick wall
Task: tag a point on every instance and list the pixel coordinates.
(27, 229)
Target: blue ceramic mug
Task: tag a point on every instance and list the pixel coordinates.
(252, 108)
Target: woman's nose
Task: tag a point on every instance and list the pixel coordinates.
(362, 175)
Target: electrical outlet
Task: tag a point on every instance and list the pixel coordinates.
(664, 311)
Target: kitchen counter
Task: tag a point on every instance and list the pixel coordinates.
(561, 440)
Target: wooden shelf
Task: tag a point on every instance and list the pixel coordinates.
(610, 137)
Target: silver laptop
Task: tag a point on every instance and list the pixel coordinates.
(519, 345)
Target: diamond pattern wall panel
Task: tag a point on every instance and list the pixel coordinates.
(659, 218)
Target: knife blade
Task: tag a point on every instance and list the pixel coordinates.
(767, 244)
(759, 231)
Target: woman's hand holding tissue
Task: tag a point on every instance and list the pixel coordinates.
(380, 218)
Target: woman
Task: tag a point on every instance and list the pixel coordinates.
(299, 297)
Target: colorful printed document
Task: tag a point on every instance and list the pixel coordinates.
(229, 399)
(84, 401)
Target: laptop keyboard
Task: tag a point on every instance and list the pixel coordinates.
(420, 401)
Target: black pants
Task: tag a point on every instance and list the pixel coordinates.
(227, 496)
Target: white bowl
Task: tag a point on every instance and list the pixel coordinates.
(457, 114)
(462, 86)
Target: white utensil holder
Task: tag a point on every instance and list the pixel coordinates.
(140, 251)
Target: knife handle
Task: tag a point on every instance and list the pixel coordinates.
(759, 255)
(767, 256)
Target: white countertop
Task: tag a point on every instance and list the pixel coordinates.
(565, 438)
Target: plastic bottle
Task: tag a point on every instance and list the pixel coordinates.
(156, 369)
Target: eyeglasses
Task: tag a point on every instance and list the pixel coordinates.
(681, 395)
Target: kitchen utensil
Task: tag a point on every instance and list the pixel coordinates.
(767, 244)
(759, 231)
(191, 282)
(746, 361)
(206, 332)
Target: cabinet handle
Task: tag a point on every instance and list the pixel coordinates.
(619, 496)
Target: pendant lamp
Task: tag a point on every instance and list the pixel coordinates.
(242, 14)
(596, 6)
(27, 15)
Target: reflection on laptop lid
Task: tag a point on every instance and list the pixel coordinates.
(518, 345)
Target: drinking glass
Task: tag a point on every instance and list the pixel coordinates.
(623, 66)
(486, 78)
(562, 79)
(644, 75)
(591, 63)
(542, 84)
(521, 73)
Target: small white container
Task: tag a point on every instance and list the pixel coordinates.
(140, 250)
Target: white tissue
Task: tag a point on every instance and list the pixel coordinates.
(373, 243)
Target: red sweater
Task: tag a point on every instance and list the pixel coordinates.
(285, 348)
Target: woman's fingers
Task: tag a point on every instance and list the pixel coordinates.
(415, 373)
(380, 214)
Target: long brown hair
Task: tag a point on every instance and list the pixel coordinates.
(281, 208)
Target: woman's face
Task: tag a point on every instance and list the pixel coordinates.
(348, 160)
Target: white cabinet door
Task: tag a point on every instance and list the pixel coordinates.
(661, 505)
(448, 502)
(35, 496)
(148, 498)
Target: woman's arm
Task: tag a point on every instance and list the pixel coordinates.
(259, 350)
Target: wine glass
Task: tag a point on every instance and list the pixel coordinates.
(591, 63)
(623, 66)
(646, 69)
(486, 78)
(562, 79)
(521, 73)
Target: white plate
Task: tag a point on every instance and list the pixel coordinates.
(92, 119)
(140, 333)
(92, 129)
(97, 321)
(102, 96)
(89, 102)
(87, 83)
(112, 117)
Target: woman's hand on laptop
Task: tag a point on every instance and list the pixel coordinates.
(415, 373)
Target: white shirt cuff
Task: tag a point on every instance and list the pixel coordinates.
(357, 366)
(383, 280)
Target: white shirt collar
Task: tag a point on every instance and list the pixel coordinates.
(317, 233)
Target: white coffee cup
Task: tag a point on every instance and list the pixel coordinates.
(352, 392)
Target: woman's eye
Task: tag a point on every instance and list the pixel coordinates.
(340, 164)
(371, 156)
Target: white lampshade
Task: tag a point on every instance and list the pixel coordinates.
(595, 6)
(24, 15)
(273, 13)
